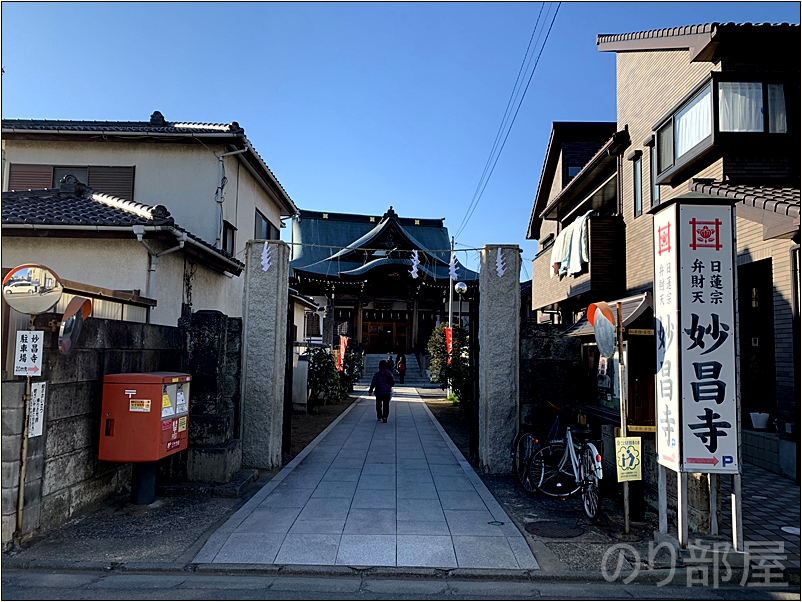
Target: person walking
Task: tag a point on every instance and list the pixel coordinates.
(382, 383)
(401, 366)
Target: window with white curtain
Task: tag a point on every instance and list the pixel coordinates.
(693, 123)
(777, 116)
(740, 107)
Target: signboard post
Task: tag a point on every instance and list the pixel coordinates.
(694, 305)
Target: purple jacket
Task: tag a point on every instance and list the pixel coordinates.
(382, 382)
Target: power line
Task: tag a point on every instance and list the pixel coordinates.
(506, 110)
(475, 202)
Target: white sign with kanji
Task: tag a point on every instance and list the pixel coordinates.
(28, 353)
(707, 337)
(666, 314)
(36, 417)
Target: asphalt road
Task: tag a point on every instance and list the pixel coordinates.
(50, 585)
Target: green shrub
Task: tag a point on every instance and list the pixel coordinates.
(322, 379)
(455, 375)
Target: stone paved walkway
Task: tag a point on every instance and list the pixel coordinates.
(770, 507)
(365, 493)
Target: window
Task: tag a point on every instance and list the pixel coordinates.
(573, 170)
(637, 184)
(741, 107)
(693, 123)
(653, 175)
(228, 237)
(665, 146)
(263, 229)
(112, 180)
(777, 118)
(725, 109)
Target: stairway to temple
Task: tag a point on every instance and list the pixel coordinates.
(413, 376)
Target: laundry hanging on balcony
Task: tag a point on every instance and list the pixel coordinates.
(570, 250)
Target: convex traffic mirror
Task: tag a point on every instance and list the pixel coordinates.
(32, 289)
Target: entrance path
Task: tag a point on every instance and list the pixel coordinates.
(365, 493)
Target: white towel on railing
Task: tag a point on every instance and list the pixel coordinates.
(579, 244)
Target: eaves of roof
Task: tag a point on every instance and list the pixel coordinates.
(559, 132)
(169, 130)
(781, 200)
(88, 210)
(616, 145)
(701, 40)
(631, 309)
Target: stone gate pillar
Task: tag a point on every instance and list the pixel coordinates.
(499, 350)
(264, 339)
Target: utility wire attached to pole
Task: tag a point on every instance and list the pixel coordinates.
(495, 152)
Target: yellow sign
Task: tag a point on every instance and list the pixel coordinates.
(166, 401)
(628, 458)
(648, 332)
(182, 424)
(139, 405)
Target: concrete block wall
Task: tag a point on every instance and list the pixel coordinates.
(550, 366)
(64, 476)
(761, 449)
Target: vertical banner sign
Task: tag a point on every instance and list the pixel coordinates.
(341, 357)
(666, 317)
(28, 353)
(449, 343)
(707, 335)
(36, 418)
(628, 459)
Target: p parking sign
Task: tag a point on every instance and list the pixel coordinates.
(628, 459)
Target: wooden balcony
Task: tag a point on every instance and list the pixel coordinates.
(603, 276)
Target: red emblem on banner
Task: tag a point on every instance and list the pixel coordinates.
(705, 234)
(664, 239)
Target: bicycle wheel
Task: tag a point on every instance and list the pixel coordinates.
(590, 483)
(522, 453)
(551, 472)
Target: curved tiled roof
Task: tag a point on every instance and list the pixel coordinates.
(87, 207)
(711, 28)
(121, 126)
(782, 200)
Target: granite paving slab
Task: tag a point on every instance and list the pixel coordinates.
(368, 493)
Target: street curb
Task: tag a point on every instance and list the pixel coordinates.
(679, 577)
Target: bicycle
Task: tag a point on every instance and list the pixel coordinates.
(560, 468)
(522, 448)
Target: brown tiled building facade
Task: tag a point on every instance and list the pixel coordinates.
(661, 76)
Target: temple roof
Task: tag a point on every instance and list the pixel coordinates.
(349, 246)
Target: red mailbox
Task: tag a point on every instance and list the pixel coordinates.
(144, 416)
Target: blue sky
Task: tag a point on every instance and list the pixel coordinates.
(355, 106)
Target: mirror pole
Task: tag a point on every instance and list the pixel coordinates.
(26, 401)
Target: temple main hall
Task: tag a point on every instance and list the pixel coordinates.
(360, 269)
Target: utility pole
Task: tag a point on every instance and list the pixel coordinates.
(450, 287)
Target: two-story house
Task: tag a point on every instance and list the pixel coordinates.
(210, 189)
(711, 110)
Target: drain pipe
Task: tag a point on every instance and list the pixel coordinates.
(139, 230)
(218, 195)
